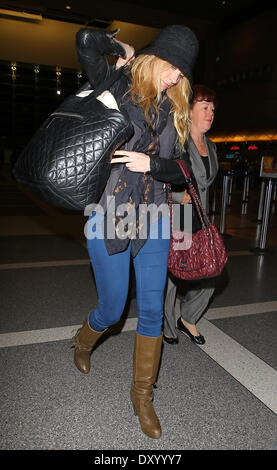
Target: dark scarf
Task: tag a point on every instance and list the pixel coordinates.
(137, 188)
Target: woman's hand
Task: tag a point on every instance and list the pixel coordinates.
(130, 54)
(186, 198)
(135, 161)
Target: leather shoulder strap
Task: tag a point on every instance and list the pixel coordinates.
(198, 204)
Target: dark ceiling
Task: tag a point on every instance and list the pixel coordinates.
(201, 14)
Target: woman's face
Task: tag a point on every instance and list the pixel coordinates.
(202, 115)
(170, 76)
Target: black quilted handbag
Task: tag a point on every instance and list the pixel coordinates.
(67, 161)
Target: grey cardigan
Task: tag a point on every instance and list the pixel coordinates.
(199, 171)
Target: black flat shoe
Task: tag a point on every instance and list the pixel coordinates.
(196, 339)
(171, 340)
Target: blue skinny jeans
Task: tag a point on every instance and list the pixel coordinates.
(112, 280)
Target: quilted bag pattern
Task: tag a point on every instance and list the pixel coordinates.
(206, 256)
(67, 161)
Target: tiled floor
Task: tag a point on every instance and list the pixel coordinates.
(222, 395)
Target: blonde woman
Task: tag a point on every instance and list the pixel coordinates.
(154, 93)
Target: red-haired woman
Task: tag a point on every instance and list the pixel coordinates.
(204, 163)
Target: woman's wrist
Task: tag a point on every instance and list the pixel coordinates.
(129, 54)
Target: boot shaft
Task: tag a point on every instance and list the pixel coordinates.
(146, 360)
(87, 337)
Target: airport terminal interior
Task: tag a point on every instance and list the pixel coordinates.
(218, 396)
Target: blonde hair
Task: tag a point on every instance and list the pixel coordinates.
(146, 91)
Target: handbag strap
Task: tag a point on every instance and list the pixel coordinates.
(197, 201)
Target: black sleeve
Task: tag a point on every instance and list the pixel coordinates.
(165, 170)
(92, 45)
(168, 170)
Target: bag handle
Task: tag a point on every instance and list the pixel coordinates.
(198, 204)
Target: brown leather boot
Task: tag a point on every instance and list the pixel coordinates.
(84, 341)
(147, 355)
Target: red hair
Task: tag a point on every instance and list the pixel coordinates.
(202, 93)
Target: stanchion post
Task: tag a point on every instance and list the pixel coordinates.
(274, 191)
(274, 197)
(261, 203)
(262, 242)
(268, 171)
(230, 190)
(225, 192)
(245, 187)
(266, 215)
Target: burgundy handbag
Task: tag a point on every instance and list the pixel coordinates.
(206, 254)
